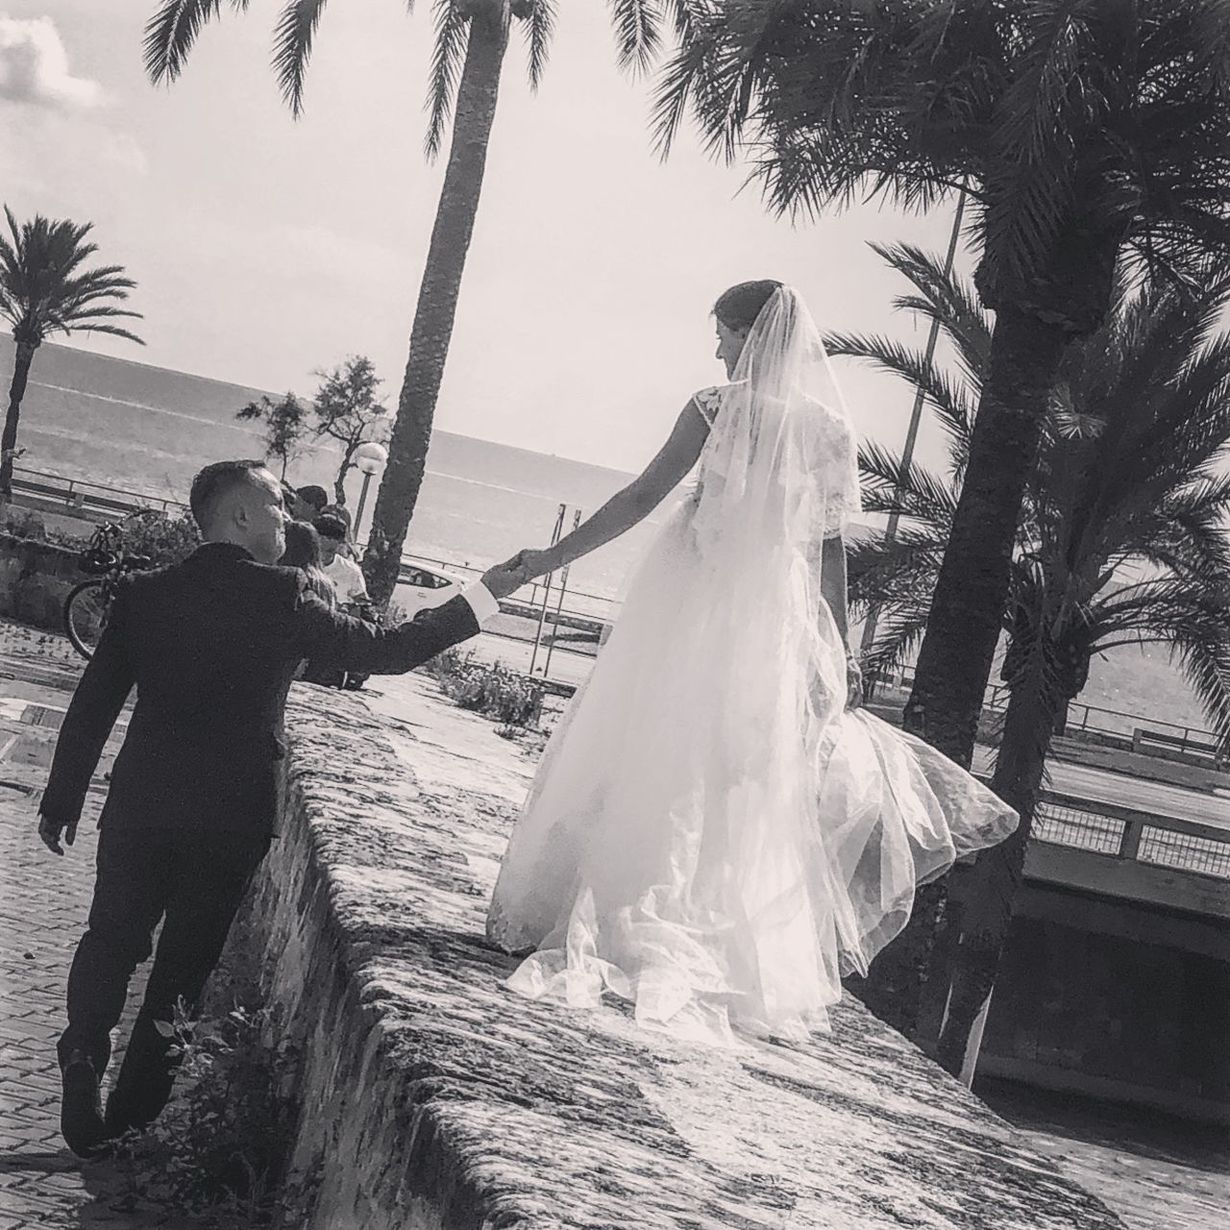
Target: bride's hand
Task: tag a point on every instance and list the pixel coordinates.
(854, 682)
(536, 563)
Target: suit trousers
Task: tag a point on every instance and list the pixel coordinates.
(193, 882)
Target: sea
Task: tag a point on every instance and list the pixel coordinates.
(147, 430)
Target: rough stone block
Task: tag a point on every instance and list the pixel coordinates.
(434, 1097)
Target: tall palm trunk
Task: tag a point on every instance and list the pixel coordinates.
(436, 311)
(1034, 704)
(17, 392)
(967, 613)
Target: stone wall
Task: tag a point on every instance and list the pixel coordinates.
(1115, 1016)
(35, 578)
(433, 1097)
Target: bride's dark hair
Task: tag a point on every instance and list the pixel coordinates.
(738, 307)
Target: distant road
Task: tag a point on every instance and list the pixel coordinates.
(1079, 781)
(1102, 786)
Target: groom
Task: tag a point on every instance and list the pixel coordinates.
(211, 644)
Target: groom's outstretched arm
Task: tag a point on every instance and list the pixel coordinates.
(96, 703)
(336, 640)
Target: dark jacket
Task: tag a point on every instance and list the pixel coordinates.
(212, 645)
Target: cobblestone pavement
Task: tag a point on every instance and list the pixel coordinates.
(44, 901)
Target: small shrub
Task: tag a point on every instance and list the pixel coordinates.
(22, 522)
(220, 1150)
(495, 691)
(166, 538)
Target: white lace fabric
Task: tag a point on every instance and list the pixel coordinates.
(710, 835)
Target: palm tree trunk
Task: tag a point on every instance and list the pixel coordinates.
(1029, 725)
(967, 610)
(477, 93)
(17, 391)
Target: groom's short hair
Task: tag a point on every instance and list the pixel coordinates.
(215, 481)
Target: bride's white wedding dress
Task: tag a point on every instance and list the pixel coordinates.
(711, 835)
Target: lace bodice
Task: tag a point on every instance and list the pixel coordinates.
(835, 459)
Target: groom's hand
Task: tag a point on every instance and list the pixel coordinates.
(504, 578)
(49, 830)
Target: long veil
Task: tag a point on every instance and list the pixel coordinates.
(710, 834)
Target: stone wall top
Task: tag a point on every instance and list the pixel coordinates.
(436, 1097)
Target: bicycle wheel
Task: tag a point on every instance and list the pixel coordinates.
(85, 615)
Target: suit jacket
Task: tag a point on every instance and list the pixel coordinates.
(212, 645)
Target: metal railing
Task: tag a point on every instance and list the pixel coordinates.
(78, 494)
(1128, 731)
(1159, 841)
(1124, 729)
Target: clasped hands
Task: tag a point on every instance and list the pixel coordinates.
(522, 568)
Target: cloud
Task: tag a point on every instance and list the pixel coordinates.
(34, 67)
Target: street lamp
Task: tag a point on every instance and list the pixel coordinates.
(370, 459)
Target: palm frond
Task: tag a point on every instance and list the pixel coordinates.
(292, 48)
(950, 402)
(539, 25)
(946, 300)
(638, 32)
(1032, 183)
(909, 491)
(447, 58)
(171, 33)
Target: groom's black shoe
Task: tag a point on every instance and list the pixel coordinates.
(81, 1120)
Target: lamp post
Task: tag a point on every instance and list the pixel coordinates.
(370, 459)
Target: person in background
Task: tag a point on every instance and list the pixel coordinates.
(303, 551)
(346, 575)
(350, 548)
(309, 503)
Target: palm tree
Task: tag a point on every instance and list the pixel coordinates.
(44, 291)
(1122, 541)
(471, 38)
(1082, 130)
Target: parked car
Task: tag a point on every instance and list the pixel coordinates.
(419, 588)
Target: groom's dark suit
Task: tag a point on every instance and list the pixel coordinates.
(211, 645)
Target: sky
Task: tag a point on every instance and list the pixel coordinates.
(266, 248)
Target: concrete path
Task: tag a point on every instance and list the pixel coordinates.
(44, 901)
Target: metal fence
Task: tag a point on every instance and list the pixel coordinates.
(1160, 841)
(77, 494)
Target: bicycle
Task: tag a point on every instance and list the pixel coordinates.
(88, 602)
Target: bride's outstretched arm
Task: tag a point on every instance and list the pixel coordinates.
(634, 503)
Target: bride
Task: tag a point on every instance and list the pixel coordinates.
(717, 833)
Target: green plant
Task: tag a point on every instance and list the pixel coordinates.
(166, 538)
(1122, 541)
(496, 691)
(285, 426)
(348, 411)
(220, 1150)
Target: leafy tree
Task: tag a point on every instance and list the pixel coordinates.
(45, 291)
(285, 425)
(1122, 541)
(347, 410)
